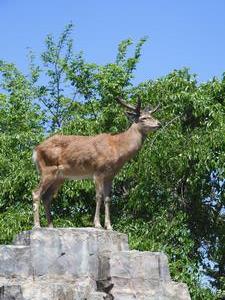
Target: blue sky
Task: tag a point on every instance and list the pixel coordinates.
(181, 33)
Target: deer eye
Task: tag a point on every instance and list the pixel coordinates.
(144, 118)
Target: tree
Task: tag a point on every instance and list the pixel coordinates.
(20, 130)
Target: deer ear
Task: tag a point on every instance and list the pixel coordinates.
(151, 110)
(147, 109)
(132, 116)
(155, 109)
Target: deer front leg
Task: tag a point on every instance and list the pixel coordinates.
(107, 213)
(97, 210)
(107, 200)
(99, 197)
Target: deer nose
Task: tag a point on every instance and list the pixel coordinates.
(159, 125)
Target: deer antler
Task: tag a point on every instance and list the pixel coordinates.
(136, 110)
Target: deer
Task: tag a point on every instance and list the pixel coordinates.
(98, 157)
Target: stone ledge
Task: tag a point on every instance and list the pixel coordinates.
(107, 239)
(83, 264)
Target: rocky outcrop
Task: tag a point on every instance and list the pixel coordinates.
(83, 264)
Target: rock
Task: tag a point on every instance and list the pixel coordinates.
(140, 266)
(15, 261)
(69, 252)
(23, 238)
(139, 275)
(11, 292)
(83, 264)
(99, 296)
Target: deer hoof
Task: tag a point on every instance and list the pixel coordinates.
(50, 225)
(109, 227)
(98, 226)
(37, 226)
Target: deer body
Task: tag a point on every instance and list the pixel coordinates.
(84, 156)
(97, 157)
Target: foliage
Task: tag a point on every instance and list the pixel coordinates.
(169, 198)
(20, 130)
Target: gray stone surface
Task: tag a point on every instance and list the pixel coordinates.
(72, 252)
(165, 291)
(83, 264)
(149, 266)
(99, 296)
(22, 238)
(47, 290)
(11, 292)
(15, 261)
(103, 239)
(50, 289)
(139, 275)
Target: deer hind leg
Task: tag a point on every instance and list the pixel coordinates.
(36, 204)
(47, 199)
(45, 183)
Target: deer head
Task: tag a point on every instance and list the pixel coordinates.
(144, 119)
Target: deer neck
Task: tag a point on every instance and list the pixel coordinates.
(131, 141)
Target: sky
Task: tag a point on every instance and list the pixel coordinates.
(181, 33)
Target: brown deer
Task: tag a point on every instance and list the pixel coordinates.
(99, 157)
